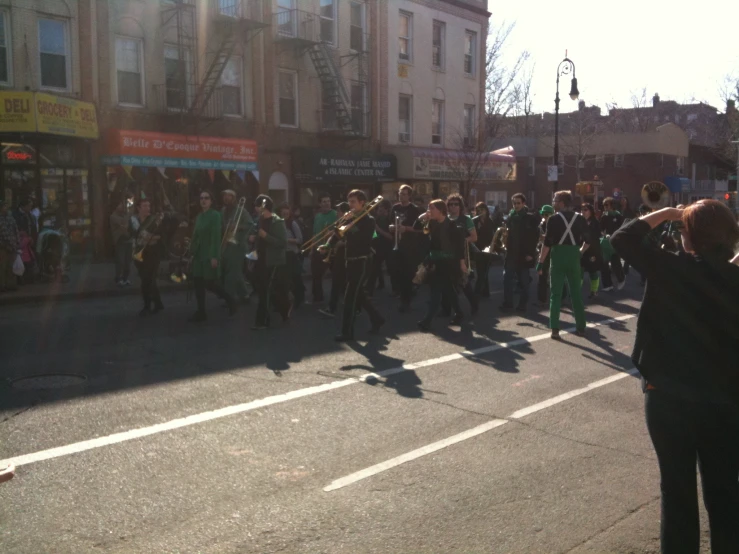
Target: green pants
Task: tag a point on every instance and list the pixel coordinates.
(233, 271)
(566, 266)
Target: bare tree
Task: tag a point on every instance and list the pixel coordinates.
(729, 94)
(523, 99)
(578, 133)
(636, 119)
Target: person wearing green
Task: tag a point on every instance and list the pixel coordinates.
(325, 217)
(206, 253)
(566, 239)
(234, 252)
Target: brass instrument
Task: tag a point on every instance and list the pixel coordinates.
(253, 256)
(229, 235)
(322, 236)
(368, 207)
(655, 195)
(156, 220)
(397, 232)
(183, 267)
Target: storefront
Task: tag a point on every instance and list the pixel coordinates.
(337, 172)
(45, 156)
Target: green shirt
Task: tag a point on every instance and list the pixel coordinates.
(323, 220)
(206, 244)
(466, 222)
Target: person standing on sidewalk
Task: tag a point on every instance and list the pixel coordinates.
(592, 260)
(122, 245)
(9, 248)
(523, 236)
(686, 349)
(610, 222)
(325, 217)
(292, 255)
(567, 239)
(542, 282)
(456, 208)
(485, 232)
(145, 230)
(405, 260)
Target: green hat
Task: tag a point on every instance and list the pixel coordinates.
(546, 209)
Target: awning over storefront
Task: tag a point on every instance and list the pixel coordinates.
(146, 149)
(36, 112)
(467, 165)
(677, 184)
(342, 166)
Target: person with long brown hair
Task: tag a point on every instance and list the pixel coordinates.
(687, 351)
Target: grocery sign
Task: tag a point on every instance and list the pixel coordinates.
(25, 112)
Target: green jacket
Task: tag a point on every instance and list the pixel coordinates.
(275, 242)
(206, 245)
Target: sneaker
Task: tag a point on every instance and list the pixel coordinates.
(580, 332)
(424, 326)
(620, 285)
(607, 289)
(555, 334)
(6, 473)
(326, 312)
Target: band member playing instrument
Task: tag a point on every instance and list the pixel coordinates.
(445, 261)
(686, 349)
(592, 260)
(456, 208)
(382, 244)
(146, 233)
(335, 251)
(292, 254)
(325, 217)
(567, 240)
(610, 222)
(485, 232)
(206, 254)
(406, 258)
(270, 273)
(235, 246)
(358, 263)
(542, 283)
(523, 236)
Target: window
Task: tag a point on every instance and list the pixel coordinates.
(600, 160)
(328, 109)
(328, 21)
(677, 118)
(357, 32)
(229, 8)
(405, 36)
(4, 49)
(437, 122)
(470, 39)
(176, 77)
(53, 53)
(231, 83)
(288, 91)
(359, 107)
(437, 44)
(286, 20)
(532, 170)
(128, 69)
(692, 117)
(618, 160)
(468, 132)
(404, 118)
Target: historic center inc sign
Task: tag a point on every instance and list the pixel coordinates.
(340, 166)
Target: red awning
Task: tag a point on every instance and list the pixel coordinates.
(506, 154)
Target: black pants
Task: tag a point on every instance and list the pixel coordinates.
(214, 286)
(482, 283)
(295, 272)
(148, 274)
(377, 279)
(338, 283)
(355, 297)
(405, 267)
(612, 265)
(681, 432)
(442, 291)
(272, 284)
(542, 284)
(317, 271)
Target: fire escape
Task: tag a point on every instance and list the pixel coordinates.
(230, 23)
(343, 113)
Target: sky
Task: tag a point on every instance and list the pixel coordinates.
(681, 50)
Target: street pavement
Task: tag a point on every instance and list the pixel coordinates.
(160, 436)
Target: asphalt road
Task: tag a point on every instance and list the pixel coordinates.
(160, 436)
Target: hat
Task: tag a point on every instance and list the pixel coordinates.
(229, 191)
(546, 209)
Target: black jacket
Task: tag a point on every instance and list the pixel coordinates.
(485, 231)
(687, 334)
(523, 238)
(588, 263)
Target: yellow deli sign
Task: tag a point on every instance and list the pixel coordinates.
(46, 113)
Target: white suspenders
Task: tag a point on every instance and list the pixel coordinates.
(568, 228)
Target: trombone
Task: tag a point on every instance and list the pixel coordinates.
(322, 236)
(343, 229)
(229, 236)
(138, 256)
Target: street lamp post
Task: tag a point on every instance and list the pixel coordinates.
(565, 67)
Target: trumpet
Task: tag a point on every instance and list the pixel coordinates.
(397, 232)
(138, 256)
(229, 236)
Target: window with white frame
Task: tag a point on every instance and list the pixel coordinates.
(405, 123)
(468, 126)
(532, 169)
(357, 27)
(176, 77)
(470, 40)
(359, 107)
(229, 8)
(232, 87)
(618, 160)
(128, 64)
(5, 65)
(437, 122)
(54, 53)
(438, 37)
(600, 160)
(288, 93)
(328, 21)
(405, 36)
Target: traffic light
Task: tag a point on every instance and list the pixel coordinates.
(727, 196)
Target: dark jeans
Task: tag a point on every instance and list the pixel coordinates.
(482, 283)
(214, 286)
(338, 283)
(612, 265)
(295, 270)
(272, 284)
(542, 284)
(511, 273)
(355, 296)
(683, 431)
(317, 271)
(443, 291)
(377, 279)
(406, 266)
(148, 274)
(123, 256)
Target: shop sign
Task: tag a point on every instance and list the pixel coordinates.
(343, 167)
(461, 169)
(146, 149)
(45, 113)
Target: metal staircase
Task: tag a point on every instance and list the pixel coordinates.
(333, 86)
(213, 74)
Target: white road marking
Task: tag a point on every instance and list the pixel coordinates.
(203, 417)
(468, 434)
